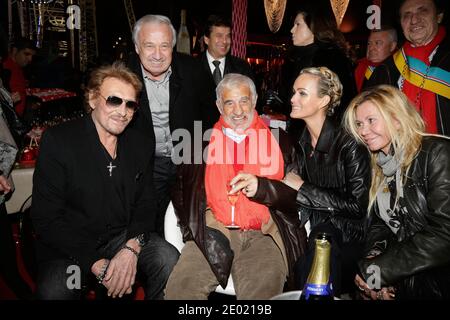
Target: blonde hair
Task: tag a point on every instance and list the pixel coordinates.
(328, 85)
(117, 70)
(403, 123)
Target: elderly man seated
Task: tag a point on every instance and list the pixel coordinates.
(224, 230)
(93, 199)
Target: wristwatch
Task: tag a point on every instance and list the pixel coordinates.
(140, 239)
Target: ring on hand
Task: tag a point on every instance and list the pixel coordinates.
(380, 295)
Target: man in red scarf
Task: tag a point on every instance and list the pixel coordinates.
(380, 45)
(254, 244)
(421, 67)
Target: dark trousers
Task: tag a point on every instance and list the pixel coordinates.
(164, 175)
(8, 263)
(343, 260)
(156, 261)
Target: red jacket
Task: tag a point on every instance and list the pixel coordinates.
(17, 83)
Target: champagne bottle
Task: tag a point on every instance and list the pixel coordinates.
(183, 41)
(318, 285)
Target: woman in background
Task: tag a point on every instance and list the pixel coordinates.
(317, 42)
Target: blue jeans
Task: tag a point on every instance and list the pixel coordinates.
(156, 261)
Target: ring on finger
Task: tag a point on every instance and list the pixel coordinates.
(380, 295)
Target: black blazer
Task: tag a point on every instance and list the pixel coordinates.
(184, 96)
(209, 112)
(70, 209)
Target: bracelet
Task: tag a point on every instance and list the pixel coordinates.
(131, 249)
(103, 271)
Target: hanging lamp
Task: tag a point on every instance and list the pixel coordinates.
(339, 8)
(274, 13)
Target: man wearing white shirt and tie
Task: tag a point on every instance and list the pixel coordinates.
(216, 62)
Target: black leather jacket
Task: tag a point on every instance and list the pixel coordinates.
(337, 181)
(189, 200)
(336, 186)
(417, 259)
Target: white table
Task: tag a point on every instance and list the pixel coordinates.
(23, 182)
(291, 295)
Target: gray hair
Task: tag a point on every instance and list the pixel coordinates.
(234, 80)
(390, 30)
(153, 19)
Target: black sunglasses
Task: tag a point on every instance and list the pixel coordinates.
(115, 102)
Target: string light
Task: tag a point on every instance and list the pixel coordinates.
(38, 1)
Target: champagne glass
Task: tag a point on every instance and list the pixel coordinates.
(232, 198)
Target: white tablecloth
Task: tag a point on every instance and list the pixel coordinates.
(23, 182)
(291, 295)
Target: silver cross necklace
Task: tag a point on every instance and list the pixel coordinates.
(110, 167)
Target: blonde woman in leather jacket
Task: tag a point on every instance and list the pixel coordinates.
(407, 250)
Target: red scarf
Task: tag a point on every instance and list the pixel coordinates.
(258, 154)
(360, 71)
(426, 104)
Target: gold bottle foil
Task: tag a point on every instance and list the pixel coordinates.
(320, 269)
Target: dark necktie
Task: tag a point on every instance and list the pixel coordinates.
(216, 74)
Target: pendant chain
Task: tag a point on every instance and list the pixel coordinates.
(110, 166)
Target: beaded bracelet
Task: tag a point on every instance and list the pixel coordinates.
(131, 249)
(103, 271)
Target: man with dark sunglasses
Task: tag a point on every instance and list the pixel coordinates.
(93, 199)
(170, 101)
(115, 102)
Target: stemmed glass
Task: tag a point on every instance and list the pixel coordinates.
(232, 198)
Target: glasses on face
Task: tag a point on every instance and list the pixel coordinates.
(115, 102)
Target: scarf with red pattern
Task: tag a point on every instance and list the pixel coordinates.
(423, 100)
(360, 72)
(258, 153)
